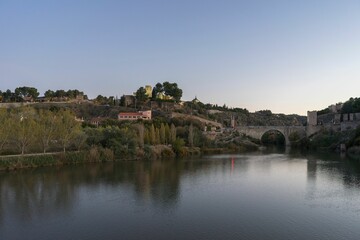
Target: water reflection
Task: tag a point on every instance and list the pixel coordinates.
(334, 166)
(35, 193)
(29, 195)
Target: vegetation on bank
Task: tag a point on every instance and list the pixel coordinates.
(94, 154)
(353, 145)
(175, 130)
(29, 130)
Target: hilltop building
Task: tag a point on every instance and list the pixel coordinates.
(195, 100)
(162, 96)
(144, 115)
(128, 100)
(148, 90)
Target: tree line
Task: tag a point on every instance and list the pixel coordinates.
(23, 94)
(19, 95)
(38, 130)
(161, 91)
(351, 106)
(127, 139)
(70, 94)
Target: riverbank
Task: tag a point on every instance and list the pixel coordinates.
(93, 155)
(13, 162)
(98, 154)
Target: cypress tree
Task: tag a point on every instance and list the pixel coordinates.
(172, 134)
(152, 135)
(162, 134)
(158, 141)
(191, 136)
(167, 134)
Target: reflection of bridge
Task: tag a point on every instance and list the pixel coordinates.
(258, 131)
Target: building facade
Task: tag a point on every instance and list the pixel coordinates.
(144, 115)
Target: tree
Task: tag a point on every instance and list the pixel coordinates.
(140, 95)
(111, 100)
(141, 134)
(157, 141)
(5, 123)
(8, 96)
(172, 133)
(95, 136)
(152, 135)
(123, 141)
(70, 94)
(351, 106)
(67, 129)
(178, 145)
(22, 127)
(156, 90)
(122, 101)
(80, 140)
(46, 127)
(162, 134)
(147, 136)
(60, 93)
(172, 90)
(105, 100)
(167, 134)
(191, 136)
(25, 92)
(49, 94)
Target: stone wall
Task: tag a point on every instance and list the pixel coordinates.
(15, 105)
(349, 125)
(339, 122)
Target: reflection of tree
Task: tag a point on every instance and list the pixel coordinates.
(29, 194)
(311, 178)
(311, 170)
(159, 180)
(2, 192)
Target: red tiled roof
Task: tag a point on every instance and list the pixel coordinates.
(130, 114)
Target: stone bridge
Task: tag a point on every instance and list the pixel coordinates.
(258, 131)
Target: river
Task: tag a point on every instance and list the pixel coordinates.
(250, 196)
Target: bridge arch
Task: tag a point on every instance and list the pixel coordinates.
(258, 131)
(280, 137)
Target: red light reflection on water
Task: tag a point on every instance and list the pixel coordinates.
(232, 165)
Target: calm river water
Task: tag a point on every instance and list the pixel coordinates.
(251, 196)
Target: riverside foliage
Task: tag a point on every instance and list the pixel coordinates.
(26, 130)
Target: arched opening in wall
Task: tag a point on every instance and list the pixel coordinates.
(273, 138)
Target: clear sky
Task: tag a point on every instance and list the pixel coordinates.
(283, 55)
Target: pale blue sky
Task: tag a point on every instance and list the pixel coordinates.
(286, 56)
